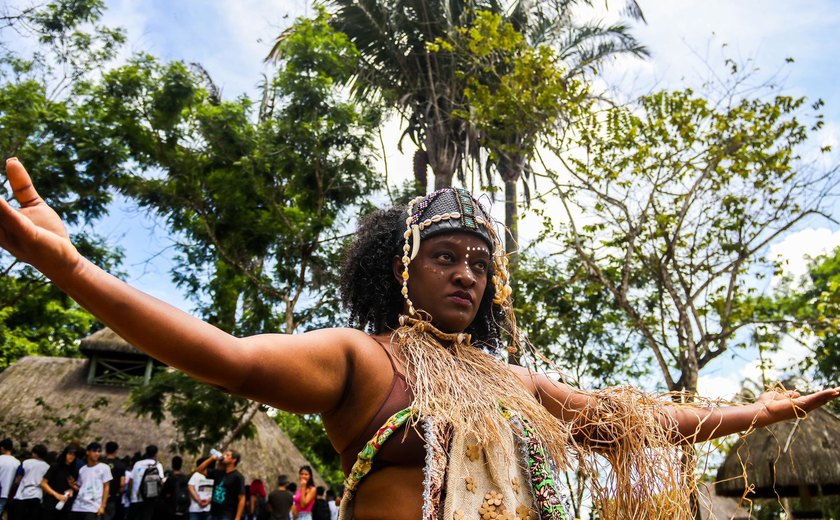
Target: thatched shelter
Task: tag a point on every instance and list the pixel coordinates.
(71, 388)
(788, 459)
(716, 507)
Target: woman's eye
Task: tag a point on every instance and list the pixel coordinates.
(445, 257)
(480, 266)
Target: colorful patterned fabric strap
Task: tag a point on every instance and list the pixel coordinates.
(549, 499)
(364, 461)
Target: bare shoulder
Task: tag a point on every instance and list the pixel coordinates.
(301, 373)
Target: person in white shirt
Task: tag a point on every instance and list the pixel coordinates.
(143, 509)
(201, 493)
(94, 482)
(8, 469)
(27, 500)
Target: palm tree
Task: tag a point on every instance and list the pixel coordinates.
(397, 65)
(393, 37)
(580, 48)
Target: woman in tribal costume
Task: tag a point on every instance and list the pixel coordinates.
(429, 421)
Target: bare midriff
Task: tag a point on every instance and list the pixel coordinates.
(394, 492)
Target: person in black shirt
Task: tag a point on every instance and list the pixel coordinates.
(280, 500)
(114, 509)
(320, 509)
(59, 485)
(228, 488)
(176, 496)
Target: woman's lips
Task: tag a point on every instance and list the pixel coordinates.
(461, 298)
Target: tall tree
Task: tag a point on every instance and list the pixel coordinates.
(47, 117)
(519, 93)
(810, 309)
(398, 65)
(678, 198)
(258, 195)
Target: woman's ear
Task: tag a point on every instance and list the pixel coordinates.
(397, 267)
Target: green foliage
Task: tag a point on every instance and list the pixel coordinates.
(574, 322)
(73, 422)
(307, 433)
(687, 193)
(47, 119)
(771, 509)
(811, 306)
(409, 61)
(257, 194)
(515, 93)
(201, 414)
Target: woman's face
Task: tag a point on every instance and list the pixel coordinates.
(304, 475)
(70, 458)
(448, 277)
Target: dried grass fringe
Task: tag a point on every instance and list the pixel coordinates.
(637, 466)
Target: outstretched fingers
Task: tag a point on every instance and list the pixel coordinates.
(21, 183)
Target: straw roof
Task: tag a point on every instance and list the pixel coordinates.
(107, 341)
(61, 383)
(716, 507)
(785, 459)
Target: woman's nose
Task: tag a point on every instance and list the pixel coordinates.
(464, 275)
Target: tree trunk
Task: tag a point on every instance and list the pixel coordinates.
(512, 240)
(421, 168)
(443, 158)
(247, 417)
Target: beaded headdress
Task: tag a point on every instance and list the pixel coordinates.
(449, 210)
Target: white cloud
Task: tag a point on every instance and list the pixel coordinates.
(795, 250)
(718, 387)
(782, 364)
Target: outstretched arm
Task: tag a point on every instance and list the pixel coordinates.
(311, 369)
(702, 424)
(689, 424)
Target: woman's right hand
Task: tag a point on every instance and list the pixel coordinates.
(34, 233)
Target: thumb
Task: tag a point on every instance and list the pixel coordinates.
(21, 183)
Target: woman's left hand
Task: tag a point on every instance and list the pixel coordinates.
(790, 404)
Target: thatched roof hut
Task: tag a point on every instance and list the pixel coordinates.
(108, 341)
(62, 384)
(716, 507)
(787, 459)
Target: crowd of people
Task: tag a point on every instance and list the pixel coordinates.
(83, 483)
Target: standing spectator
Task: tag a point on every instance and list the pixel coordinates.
(176, 494)
(92, 484)
(320, 510)
(305, 495)
(142, 506)
(201, 493)
(8, 469)
(113, 509)
(59, 485)
(125, 498)
(228, 486)
(81, 456)
(257, 500)
(332, 501)
(27, 500)
(280, 500)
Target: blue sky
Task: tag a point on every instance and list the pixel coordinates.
(231, 38)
